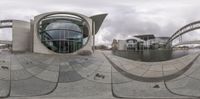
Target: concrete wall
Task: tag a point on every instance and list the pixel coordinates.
(121, 44)
(21, 36)
(32, 37)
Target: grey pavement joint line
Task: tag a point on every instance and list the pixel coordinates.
(32, 75)
(9, 89)
(165, 83)
(44, 93)
(151, 79)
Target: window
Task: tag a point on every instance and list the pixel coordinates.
(63, 34)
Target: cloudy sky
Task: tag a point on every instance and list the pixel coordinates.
(125, 18)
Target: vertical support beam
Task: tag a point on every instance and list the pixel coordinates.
(180, 39)
(32, 36)
(148, 42)
(21, 36)
(93, 33)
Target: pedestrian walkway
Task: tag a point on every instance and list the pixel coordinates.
(177, 80)
(100, 76)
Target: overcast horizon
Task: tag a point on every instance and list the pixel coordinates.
(125, 18)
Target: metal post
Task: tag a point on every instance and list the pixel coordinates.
(93, 47)
(180, 39)
(147, 43)
(143, 44)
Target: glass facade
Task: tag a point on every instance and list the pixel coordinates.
(63, 34)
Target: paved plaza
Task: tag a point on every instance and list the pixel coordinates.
(100, 76)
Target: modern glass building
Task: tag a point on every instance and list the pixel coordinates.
(63, 34)
(57, 33)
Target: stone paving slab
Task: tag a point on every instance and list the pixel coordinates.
(127, 88)
(169, 67)
(85, 72)
(169, 72)
(153, 74)
(118, 78)
(4, 62)
(177, 83)
(154, 69)
(17, 67)
(48, 76)
(4, 75)
(92, 67)
(194, 68)
(195, 75)
(99, 77)
(82, 89)
(75, 66)
(128, 66)
(53, 68)
(20, 74)
(4, 88)
(69, 76)
(66, 68)
(138, 71)
(78, 74)
(185, 86)
(35, 70)
(104, 67)
(15, 64)
(31, 87)
(49, 61)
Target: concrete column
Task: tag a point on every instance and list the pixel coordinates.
(93, 33)
(21, 36)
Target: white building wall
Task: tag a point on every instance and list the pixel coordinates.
(21, 36)
(149, 42)
(122, 45)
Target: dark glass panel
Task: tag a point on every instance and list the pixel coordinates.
(63, 35)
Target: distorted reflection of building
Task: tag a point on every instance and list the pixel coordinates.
(148, 39)
(140, 42)
(134, 43)
(160, 42)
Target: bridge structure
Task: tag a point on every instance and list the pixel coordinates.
(6, 24)
(187, 42)
(178, 34)
(5, 42)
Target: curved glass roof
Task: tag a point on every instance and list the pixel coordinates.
(63, 24)
(63, 34)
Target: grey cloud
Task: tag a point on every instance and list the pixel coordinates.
(127, 22)
(126, 18)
